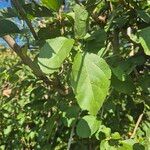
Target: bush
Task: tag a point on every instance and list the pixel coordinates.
(81, 80)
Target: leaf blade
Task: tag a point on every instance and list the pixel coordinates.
(90, 81)
(80, 22)
(144, 39)
(53, 53)
(8, 27)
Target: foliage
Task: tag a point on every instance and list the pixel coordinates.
(94, 83)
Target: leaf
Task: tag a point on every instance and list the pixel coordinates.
(36, 105)
(138, 146)
(145, 16)
(13, 78)
(68, 122)
(119, 73)
(127, 144)
(80, 22)
(31, 9)
(105, 130)
(131, 63)
(7, 13)
(51, 124)
(90, 81)
(96, 41)
(127, 66)
(145, 39)
(126, 87)
(91, 5)
(90, 124)
(104, 145)
(91, 2)
(82, 129)
(120, 22)
(72, 112)
(35, 10)
(52, 4)
(49, 32)
(8, 130)
(8, 27)
(144, 82)
(115, 136)
(53, 53)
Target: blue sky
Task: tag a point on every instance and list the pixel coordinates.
(4, 3)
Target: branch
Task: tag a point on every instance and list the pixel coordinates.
(115, 40)
(23, 14)
(72, 132)
(70, 138)
(26, 59)
(33, 66)
(136, 126)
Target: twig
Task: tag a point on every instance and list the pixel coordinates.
(72, 132)
(111, 7)
(23, 14)
(70, 138)
(26, 60)
(61, 19)
(136, 126)
(115, 40)
(106, 49)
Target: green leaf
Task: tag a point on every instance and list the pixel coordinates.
(131, 63)
(96, 41)
(2, 147)
(119, 73)
(13, 78)
(104, 145)
(92, 4)
(90, 81)
(72, 112)
(48, 32)
(126, 67)
(145, 39)
(68, 122)
(145, 16)
(115, 136)
(138, 146)
(35, 10)
(80, 22)
(8, 130)
(127, 144)
(83, 129)
(144, 82)
(126, 87)
(7, 13)
(90, 123)
(31, 9)
(105, 130)
(120, 22)
(53, 53)
(50, 126)
(8, 27)
(52, 4)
